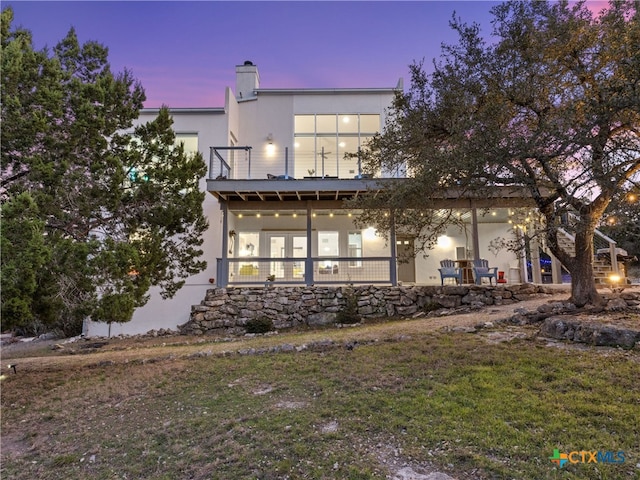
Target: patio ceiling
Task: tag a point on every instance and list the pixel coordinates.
(290, 193)
(281, 190)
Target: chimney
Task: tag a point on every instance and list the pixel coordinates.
(247, 80)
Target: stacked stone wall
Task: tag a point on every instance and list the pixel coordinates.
(228, 310)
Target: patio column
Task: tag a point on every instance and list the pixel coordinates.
(536, 273)
(393, 268)
(475, 236)
(308, 262)
(223, 273)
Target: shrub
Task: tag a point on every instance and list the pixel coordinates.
(348, 314)
(259, 325)
(431, 306)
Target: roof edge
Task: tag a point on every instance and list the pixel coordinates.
(186, 110)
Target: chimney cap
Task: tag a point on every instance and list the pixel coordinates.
(248, 62)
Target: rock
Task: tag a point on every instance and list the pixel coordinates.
(407, 473)
(448, 301)
(321, 318)
(572, 329)
(616, 304)
(463, 329)
(48, 336)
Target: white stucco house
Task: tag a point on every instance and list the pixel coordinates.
(276, 182)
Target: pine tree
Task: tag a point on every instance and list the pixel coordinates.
(117, 207)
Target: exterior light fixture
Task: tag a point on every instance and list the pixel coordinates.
(369, 233)
(271, 148)
(614, 281)
(444, 241)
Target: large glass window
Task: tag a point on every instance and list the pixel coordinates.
(248, 246)
(190, 141)
(322, 140)
(355, 248)
(328, 246)
(305, 123)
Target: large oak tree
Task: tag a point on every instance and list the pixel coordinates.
(95, 210)
(550, 103)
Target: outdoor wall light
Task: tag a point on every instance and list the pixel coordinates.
(444, 241)
(271, 148)
(369, 233)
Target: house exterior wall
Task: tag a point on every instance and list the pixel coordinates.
(211, 127)
(246, 121)
(264, 121)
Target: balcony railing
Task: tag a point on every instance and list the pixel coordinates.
(304, 271)
(243, 163)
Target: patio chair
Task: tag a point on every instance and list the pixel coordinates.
(448, 269)
(482, 270)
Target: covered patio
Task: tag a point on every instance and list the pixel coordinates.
(298, 232)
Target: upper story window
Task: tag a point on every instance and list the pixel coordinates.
(321, 142)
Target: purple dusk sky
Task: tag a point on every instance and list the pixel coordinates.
(184, 53)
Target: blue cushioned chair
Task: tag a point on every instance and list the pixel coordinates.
(448, 269)
(482, 270)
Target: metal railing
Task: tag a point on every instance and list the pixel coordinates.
(304, 271)
(602, 244)
(222, 159)
(242, 163)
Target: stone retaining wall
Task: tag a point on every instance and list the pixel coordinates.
(228, 310)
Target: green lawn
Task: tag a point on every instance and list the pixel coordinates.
(449, 402)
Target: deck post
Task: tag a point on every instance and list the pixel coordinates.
(308, 262)
(223, 274)
(393, 270)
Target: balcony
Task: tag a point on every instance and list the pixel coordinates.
(236, 174)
